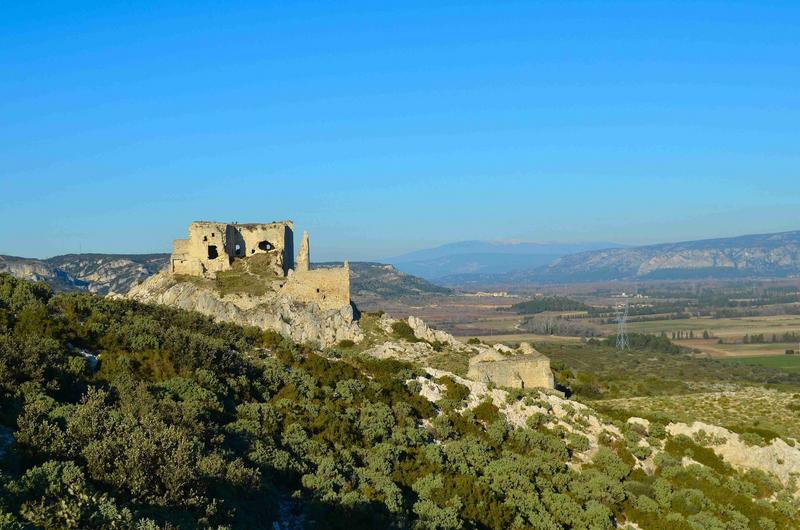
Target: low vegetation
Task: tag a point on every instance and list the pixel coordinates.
(651, 367)
(252, 275)
(189, 423)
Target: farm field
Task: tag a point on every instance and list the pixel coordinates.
(515, 338)
(786, 363)
(714, 349)
(724, 328)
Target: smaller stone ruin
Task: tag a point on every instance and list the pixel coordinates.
(502, 366)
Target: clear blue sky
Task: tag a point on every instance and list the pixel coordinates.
(382, 128)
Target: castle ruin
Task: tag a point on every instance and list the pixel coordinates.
(527, 369)
(213, 248)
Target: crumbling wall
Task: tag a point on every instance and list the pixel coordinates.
(513, 371)
(328, 288)
(304, 256)
(212, 247)
(273, 238)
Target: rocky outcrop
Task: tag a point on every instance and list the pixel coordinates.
(305, 323)
(777, 458)
(423, 332)
(500, 365)
(108, 273)
(407, 351)
(559, 412)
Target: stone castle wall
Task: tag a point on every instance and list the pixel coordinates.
(328, 288)
(214, 247)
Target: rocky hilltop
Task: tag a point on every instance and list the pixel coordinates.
(305, 323)
(117, 273)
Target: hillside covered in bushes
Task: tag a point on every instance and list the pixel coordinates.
(187, 423)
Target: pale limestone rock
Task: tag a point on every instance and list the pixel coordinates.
(633, 420)
(423, 332)
(500, 364)
(404, 351)
(301, 322)
(777, 458)
(385, 323)
(502, 348)
(560, 410)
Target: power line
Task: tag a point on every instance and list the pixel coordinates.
(622, 319)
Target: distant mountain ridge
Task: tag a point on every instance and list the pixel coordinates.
(757, 255)
(775, 255)
(466, 258)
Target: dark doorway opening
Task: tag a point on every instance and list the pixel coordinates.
(265, 245)
(212, 252)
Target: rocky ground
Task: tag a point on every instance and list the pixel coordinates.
(300, 322)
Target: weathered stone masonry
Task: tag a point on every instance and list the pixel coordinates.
(214, 247)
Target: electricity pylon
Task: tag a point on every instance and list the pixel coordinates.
(622, 318)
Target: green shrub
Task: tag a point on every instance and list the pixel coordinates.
(401, 330)
(486, 412)
(455, 393)
(271, 339)
(751, 438)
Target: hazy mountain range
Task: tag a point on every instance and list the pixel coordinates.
(475, 258)
(751, 256)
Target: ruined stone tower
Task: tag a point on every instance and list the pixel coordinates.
(213, 248)
(303, 258)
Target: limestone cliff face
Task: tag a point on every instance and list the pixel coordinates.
(96, 273)
(35, 270)
(766, 255)
(305, 323)
(108, 273)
